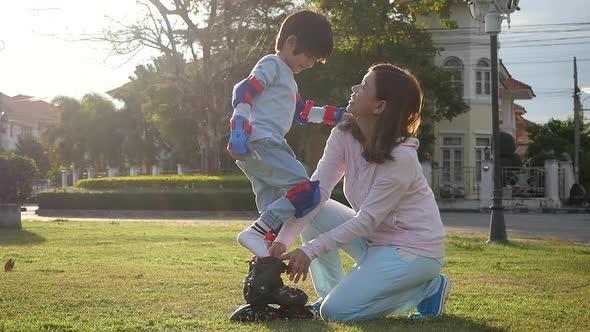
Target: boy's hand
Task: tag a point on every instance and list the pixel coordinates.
(238, 139)
(277, 249)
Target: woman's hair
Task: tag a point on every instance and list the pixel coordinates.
(401, 117)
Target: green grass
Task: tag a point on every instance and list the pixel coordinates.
(136, 276)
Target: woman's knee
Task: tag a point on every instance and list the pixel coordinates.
(331, 310)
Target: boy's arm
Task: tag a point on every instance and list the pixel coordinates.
(243, 98)
(307, 112)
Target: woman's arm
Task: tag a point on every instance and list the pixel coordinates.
(329, 171)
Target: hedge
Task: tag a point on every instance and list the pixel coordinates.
(204, 200)
(17, 177)
(166, 182)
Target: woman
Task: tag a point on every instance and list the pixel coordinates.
(393, 231)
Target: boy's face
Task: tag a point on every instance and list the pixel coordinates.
(297, 62)
(300, 62)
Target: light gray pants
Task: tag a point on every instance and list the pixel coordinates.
(273, 170)
(385, 280)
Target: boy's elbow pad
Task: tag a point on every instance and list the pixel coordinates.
(246, 91)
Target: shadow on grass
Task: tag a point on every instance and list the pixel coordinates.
(399, 323)
(18, 237)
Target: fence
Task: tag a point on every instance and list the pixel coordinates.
(456, 183)
(523, 182)
(518, 182)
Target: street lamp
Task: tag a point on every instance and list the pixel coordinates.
(491, 13)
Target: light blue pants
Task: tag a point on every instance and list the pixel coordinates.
(385, 280)
(273, 169)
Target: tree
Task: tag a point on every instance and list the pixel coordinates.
(375, 31)
(103, 131)
(555, 140)
(221, 39)
(28, 146)
(66, 140)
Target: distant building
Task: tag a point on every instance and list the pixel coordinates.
(466, 141)
(23, 115)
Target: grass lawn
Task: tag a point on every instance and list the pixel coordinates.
(142, 276)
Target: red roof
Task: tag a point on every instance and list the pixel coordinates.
(511, 83)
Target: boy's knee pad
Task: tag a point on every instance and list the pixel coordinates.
(305, 197)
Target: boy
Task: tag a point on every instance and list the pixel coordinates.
(265, 104)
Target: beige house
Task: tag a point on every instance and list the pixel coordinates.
(23, 115)
(466, 141)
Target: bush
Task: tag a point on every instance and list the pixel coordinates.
(229, 200)
(166, 182)
(17, 178)
(201, 200)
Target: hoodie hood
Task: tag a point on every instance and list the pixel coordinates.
(411, 142)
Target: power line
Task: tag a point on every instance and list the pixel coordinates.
(536, 62)
(513, 26)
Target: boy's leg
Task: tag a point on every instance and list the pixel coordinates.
(250, 237)
(327, 271)
(388, 280)
(272, 173)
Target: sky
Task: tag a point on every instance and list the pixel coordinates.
(41, 54)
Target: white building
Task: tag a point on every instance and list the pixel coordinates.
(23, 115)
(462, 143)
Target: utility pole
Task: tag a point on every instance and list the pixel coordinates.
(576, 124)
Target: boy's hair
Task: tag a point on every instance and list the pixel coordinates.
(313, 32)
(401, 117)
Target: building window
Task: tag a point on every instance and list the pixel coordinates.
(481, 144)
(452, 159)
(26, 131)
(455, 66)
(483, 78)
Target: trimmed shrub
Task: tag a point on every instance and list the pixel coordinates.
(239, 200)
(203, 200)
(17, 178)
(191, 182)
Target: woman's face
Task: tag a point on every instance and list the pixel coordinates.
(363, 100)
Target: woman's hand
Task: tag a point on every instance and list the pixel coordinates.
(277, 249)
(298, 264)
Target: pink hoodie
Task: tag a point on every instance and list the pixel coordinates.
(394, 204)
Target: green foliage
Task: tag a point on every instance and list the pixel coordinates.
(67, 140)
(166, 182)
(227, 199)
(211, 200)
(555, 140)
(28, 146)
(17, 178)
(185, 93)
(507, 144)
(508, 156)
(89, 133)
(374, 31)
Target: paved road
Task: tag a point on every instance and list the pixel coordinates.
(569, 227)
(559, 226)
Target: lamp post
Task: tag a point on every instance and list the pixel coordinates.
(491, 13)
